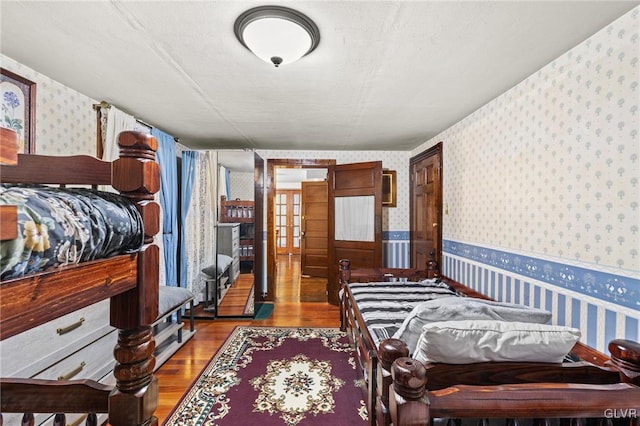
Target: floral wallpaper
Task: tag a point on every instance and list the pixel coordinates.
(541, 189)
(551, 166)
(65, 119)
(242, 185)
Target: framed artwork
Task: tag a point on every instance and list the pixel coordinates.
(388, 188)
(19, 109)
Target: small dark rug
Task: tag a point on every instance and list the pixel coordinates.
(276, 376)
(263, 311)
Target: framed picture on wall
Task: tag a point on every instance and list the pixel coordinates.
(19, 109)
(388, 188)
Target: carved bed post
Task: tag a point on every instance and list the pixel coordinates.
(625, 356)
(433, 269)
(408, 403)
(389, 351)
(134, 400)
(345, 276)
(345, 271)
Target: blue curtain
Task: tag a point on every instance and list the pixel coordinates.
(167, 160)
(188, 176)
(227, 179)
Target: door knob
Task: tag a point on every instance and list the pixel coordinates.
(435, 224)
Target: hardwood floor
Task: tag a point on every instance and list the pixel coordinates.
(179, 372)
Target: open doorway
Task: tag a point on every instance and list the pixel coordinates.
(290, 240)
(301, 231)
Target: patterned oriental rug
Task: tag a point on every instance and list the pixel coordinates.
(271, 376)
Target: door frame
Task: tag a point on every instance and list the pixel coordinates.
(270, 183)
(437, 151)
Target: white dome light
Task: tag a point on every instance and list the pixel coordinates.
(277, 35)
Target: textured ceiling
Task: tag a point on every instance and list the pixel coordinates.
(386, 75)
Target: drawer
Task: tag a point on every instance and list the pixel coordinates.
(28, 353)
(72, 419)
(91, 362)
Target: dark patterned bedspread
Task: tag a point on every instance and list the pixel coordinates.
(62, 226)
(385, 305)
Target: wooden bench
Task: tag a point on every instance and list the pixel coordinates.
(168, 329)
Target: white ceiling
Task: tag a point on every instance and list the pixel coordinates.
(386, 75)
(239, 160)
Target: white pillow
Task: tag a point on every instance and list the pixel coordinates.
(461, 309)
(465, 342)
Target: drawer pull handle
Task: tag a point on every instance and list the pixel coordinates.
(64, 330)
(73, 372)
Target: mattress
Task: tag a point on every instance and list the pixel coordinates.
(385, 305)
(64, 226)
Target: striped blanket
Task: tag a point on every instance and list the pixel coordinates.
(385, 305)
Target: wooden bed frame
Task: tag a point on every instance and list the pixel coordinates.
(242, 212)
(403, 391)
(236, 210)
(130, 281)
(574, 402)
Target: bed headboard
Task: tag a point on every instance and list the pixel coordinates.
(236, 210)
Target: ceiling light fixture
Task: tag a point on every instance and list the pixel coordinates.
(276, 34)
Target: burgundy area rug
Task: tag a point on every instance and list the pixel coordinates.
(276, 376)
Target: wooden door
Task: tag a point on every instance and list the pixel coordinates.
(425, 171)
(288, 229)
(355, 219)
(314, 220)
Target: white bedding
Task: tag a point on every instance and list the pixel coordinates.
(463, 309)
(385, 305)
(466, 342)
